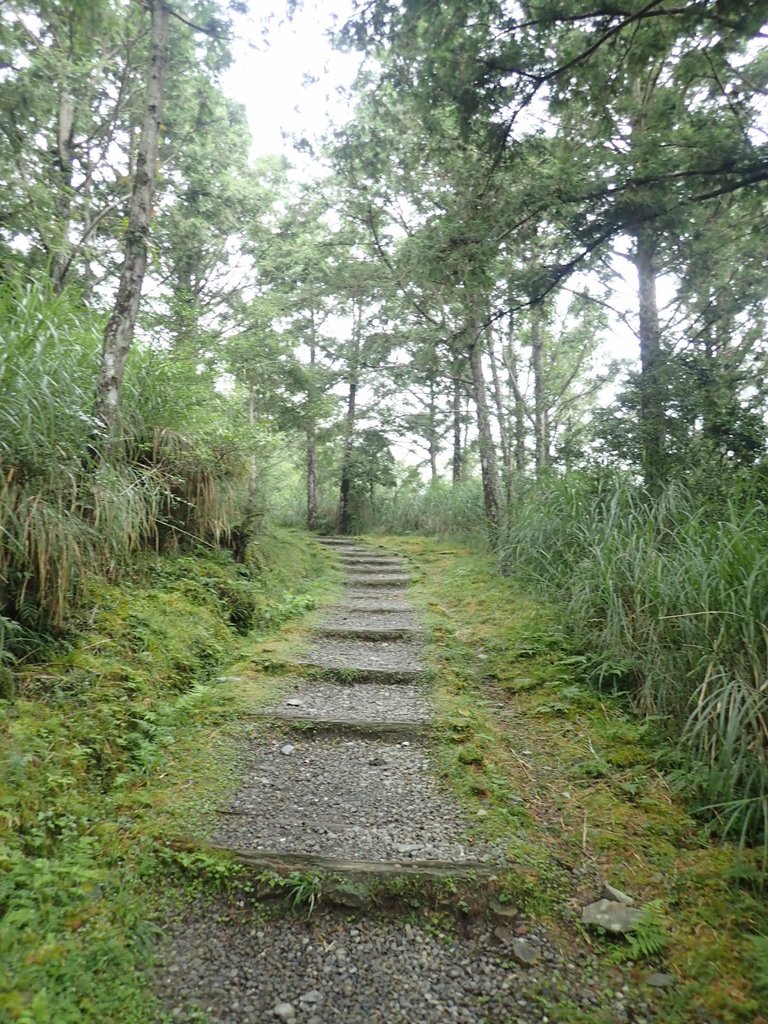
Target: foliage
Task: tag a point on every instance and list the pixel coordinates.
(182, 470)
(668, 598)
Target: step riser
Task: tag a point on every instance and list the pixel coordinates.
(355, 677)
(378, 581)
(381, 729)
(461, 890)
(361, 633)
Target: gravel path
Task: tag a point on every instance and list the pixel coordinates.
(330, 969)
(358, 799)
(354, 703)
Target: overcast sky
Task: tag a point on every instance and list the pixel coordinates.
(287, 74)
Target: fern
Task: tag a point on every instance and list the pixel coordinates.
(651, 936)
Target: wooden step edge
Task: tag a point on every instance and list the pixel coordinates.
(462, 888)
(358, 726)
(370, 632)
(351, 676)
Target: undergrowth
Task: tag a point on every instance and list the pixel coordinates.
(669, 601)
(99, 751)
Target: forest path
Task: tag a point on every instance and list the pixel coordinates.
(340, 806)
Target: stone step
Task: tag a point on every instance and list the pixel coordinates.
(313, 697)
(371, 602)
(357, 674)
(335, 542)
(350, 617)
(372, 569)
(338, 799)
(359, 661)
(370, 559)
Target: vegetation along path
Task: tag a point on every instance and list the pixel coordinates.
(407, 906)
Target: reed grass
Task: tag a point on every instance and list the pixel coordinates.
(673, 596)
(181, 469)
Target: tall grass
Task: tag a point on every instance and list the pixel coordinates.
(181, 469)
(673, 595)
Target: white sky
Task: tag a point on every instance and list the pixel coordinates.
(287, 74)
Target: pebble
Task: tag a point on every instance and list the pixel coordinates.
(284, 1011)
(287, 749)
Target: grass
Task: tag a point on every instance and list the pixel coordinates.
(569, 779)
(121, 741)
(667, 601)
(181, 469)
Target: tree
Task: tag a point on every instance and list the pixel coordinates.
(118, 334)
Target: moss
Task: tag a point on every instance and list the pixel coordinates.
(98, 755)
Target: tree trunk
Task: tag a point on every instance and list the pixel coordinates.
(457, 462)
(507, 474)
(118, 335)
(488, 468)
(345, 489)
(541, 429)
(432, 440)
(312, 438)
(652, 397)
(65, 137)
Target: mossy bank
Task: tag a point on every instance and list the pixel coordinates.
(120, 738)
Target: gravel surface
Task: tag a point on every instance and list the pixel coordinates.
(333, 969)
(359, 655)
(355, 703)
(369, 799)
(364, 619)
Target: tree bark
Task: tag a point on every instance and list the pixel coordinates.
(487, 448)
(540, 410)
(507, 474)
(345, 488)
(118, 335)
(652, 397)
(457, 461)
(312, 437)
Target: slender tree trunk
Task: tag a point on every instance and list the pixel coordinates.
(541, 430)
(488, 468)
(345, 488)
(118, 335)
(519, 412)
(457, 461)
(507, 474)
(652, 398)
(312, 437)
(65, 136)
(432, 440)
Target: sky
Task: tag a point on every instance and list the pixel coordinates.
(288, 76)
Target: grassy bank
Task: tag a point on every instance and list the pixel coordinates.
(666, 601)
(98, 750)
(569, 780)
